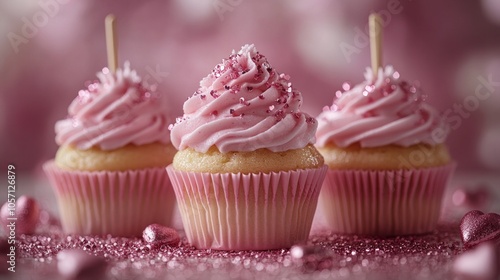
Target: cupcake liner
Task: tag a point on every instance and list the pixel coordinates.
(384, 203)
(257, 211)
(120, 203)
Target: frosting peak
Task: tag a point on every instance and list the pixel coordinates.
(244, 105)
(380, 111)
(115, 111)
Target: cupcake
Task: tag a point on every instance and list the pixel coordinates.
(246, 176)
(109, 171)
(388, 164)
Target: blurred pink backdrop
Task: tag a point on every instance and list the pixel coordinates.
(448, 46)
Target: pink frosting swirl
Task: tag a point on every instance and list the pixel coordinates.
(244, 105)
(380, 112)
(113, 113)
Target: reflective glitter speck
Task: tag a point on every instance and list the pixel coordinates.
(326, 255)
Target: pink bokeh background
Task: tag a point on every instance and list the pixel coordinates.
(445, 45)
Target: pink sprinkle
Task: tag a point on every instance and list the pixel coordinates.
(310, 120)
(346, 86)
(214, 94)
(93, 87)
(83, 96)
(244, 102)
(285, 76)
(279, 115)
(281, 100)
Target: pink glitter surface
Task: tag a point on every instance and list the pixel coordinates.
(325, 256)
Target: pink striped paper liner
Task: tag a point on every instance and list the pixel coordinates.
(258, 211)
(120, 203)
(384, 203)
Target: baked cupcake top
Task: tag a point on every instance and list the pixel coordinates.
(244, 105)
(113, 112)
(382, 110)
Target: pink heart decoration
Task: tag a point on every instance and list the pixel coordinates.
(26, 215)
(477, 227)
(78, 264)
(481, 262)
(158, 235)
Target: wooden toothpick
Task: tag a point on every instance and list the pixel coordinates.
(375, 23)
(111, 43)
